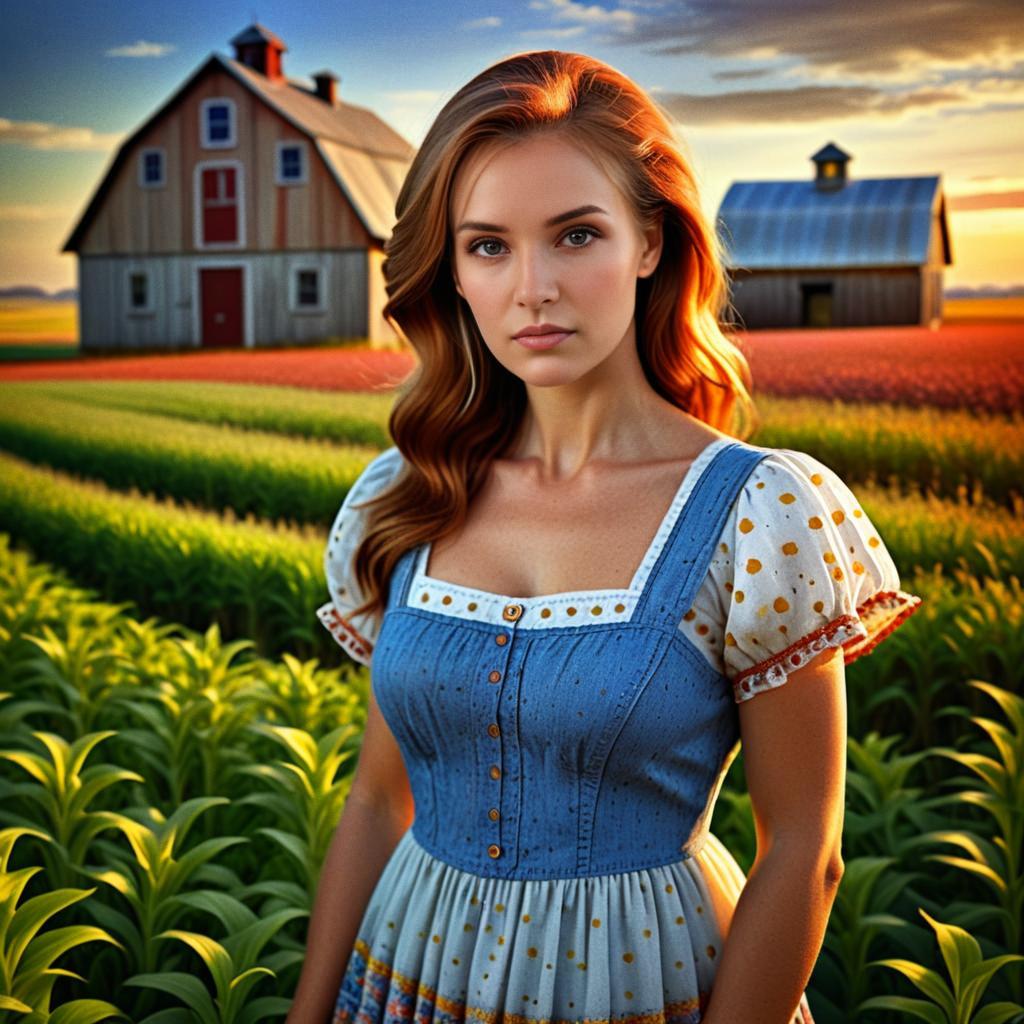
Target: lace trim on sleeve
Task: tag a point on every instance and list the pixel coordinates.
(354, 643)
(858, 634)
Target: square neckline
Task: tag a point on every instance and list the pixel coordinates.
(637, 583)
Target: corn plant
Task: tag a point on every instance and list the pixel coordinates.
(883, 813)
(969, 974)
(861, 912)
(60, 798)
(77, 671)
(157, 870)
(234, 969)
(194, 717)
(997, 863)
(27, 954)
(309, 797)
(988, 628)
(300, 694)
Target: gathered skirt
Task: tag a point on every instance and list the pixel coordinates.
(440, 944)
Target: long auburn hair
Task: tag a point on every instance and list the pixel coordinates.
(460, 408)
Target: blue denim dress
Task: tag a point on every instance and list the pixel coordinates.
(564, 780)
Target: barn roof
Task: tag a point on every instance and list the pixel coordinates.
(869, 222)
(366, 157)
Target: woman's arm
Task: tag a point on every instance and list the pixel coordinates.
(794, 754)
(377, 811)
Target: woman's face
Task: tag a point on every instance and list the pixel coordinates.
(519, 262)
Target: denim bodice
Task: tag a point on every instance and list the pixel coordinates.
(574, 750)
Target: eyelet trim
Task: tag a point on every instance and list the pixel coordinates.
(586, 607)
(858, 634)
(569, 608)
(345, 633)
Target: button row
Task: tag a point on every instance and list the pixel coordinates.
(511, 613)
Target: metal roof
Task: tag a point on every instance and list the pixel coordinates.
(366, 157)
(870, 222)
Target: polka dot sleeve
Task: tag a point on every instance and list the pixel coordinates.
(355, 633)
(801, 568)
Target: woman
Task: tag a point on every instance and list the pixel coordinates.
(571, 579)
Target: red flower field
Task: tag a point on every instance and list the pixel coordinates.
(980, 366)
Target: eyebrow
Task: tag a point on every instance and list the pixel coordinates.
(477, 225)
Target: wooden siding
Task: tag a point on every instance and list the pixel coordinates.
(859, 298)
(107, 322)
(278, 218)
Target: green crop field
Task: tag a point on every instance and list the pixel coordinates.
(179, 732)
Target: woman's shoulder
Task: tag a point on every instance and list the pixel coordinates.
(799, 565)
(375, 476)
(356, 633)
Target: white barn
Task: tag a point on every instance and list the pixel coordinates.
(248, 210)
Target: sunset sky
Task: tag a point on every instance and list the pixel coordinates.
(756, 88)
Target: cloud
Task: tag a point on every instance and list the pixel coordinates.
(805, 103)
(870, 38)
(986, 201)
(140, 48)
(808, 103)
(44, 135)
(725, 76)
(586, 15)
(554, 33)
(490, 22)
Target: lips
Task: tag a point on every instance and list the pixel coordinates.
(539, 341)
(542, 329)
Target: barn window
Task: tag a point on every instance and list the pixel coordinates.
(140, 298)
(217, 121)
(291, 163)
(151, 168)
(220, 204)
(309, 288)
(307, 292)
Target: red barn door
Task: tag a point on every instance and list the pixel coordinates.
(220, 290)
(220, 205)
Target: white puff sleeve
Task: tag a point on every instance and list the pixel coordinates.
(357, 634)
(805, 570)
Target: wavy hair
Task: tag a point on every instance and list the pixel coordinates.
(460, 408)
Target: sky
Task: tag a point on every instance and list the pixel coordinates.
(755, 88)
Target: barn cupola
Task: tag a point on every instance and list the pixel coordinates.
(327, 86)
(258, 48)
(830, 163)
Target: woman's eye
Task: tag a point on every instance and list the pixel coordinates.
(581, 231)
(489, 254)
(485, 241)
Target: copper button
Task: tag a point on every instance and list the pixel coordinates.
(501, 638)
(512, 612)
(494, 850)
(495, 772)
(492, 730)
(494, 676)
(493, 814)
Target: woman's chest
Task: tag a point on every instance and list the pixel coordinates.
(525, 539)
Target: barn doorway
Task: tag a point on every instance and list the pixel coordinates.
(817, 304)
(220, 305)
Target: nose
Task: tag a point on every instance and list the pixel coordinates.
(536, 281)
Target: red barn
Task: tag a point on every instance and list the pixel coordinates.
(248, 210)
